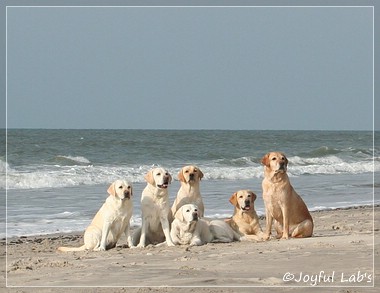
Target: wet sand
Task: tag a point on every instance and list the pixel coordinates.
(339, 257)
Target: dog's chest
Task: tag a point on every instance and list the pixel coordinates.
(185, 237)
(274, 192)
(118, 215)
(187, 233)
(247, 224)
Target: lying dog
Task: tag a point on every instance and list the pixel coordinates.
(110, 221)
(155, 210)
(222, 232)
(188, 228)
(189, 177)
(282, 203)
(245, 220)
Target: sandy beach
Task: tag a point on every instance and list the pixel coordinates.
(339, 258)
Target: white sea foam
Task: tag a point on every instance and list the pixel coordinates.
(4, 167)
(66, 176)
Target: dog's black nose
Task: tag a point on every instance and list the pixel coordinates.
(247, 202)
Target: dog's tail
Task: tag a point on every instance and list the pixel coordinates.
(65, 249)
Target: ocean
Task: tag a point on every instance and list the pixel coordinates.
(54, 181)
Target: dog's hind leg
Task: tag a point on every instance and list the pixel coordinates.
(303, 229)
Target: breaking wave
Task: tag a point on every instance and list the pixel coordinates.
(54, 176)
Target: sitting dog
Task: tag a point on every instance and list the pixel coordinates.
(110, 221)
(245, 220)
(282, 203)
(188, 228)
(155, 210)
(189, 192)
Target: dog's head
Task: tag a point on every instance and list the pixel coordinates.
(120, 189)
(158, 177)
(187, 213)
(243, 200)
(275, 162)
(190, 174)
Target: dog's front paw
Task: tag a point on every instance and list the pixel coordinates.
(243, 238)
(197, 242)
(266, 236)
(260, 236)
(100, 248)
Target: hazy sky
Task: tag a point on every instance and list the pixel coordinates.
(190, 68)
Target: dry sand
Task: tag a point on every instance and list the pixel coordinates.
(338, 258)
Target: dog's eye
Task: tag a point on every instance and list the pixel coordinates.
(120, 187)
(187, 211)
(273, 159)
(248, 195)
(158, 174)
(240, 196)
(187, 171)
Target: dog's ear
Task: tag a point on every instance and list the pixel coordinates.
(233, 199)
(149, 177)
(170, 178)
(286, 159)
(265, 160)
(111, 189)
(179, 215)
(180, 176)
(200, 174)
(254, 196)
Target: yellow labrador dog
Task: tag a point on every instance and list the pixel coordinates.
(111, 221)
(282, 203)
(155, 210)
(189, 177)
(188, 228)
(245, 220)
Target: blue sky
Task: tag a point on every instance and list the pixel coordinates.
(190, 67)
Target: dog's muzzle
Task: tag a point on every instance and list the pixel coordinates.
(247, 205)
(282, 168)
(127, 195)
(195, 216)
(163, 185)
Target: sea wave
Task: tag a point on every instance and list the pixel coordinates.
(324, 151)
(55, 176)
(4, 166)
(71, 160)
